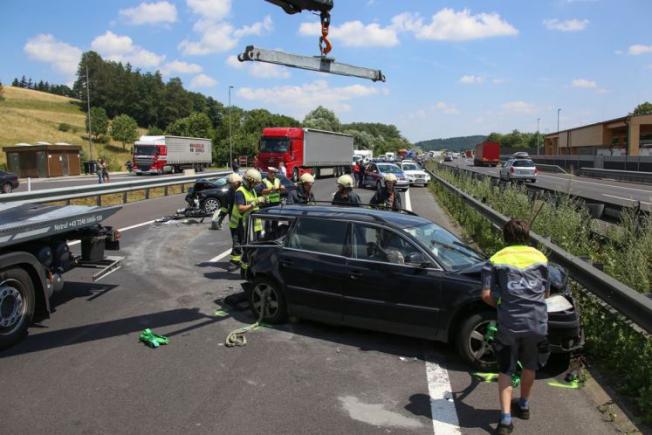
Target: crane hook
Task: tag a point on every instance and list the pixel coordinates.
(325, 45)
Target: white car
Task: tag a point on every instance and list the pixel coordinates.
(415, 174)
(519, 170)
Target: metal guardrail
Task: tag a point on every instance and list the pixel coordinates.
(635, 176)
(97, 190)
(627, 301)
(550, 168)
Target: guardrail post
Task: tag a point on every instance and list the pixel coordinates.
(183, 188)
(98, 200)
(165, 191)
(125, 197)
(147, 193)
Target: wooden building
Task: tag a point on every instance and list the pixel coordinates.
(43, 160)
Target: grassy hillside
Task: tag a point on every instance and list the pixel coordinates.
(30, 116)
(451, 144)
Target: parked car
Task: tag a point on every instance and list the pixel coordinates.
(374, 176)
(415, 174)
(385, 271)
(8, 181)
(448, 158)
(212, 193)
(518, 169)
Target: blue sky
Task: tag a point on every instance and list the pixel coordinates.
(453, 68)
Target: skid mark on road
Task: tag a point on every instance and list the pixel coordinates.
(376, 414)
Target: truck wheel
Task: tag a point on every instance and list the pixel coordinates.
(6, 188)
(275, 305)
(470, 342)
(17, 301)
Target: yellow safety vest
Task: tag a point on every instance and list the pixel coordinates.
(518, 257)
(274, 197)
(237, 217)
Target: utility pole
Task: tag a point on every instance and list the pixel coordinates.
(538, 124)
(230, 136)
(88, 105)
(558, 112)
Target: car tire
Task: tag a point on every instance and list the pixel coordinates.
(210, 205)
(17, 304)
(276, 311)
(470, 343)
(7, 188)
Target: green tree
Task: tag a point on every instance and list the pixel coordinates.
(322, 119)
(643, 109)
(124, 129)
(155, 131)
(99, 122)
(2, 92)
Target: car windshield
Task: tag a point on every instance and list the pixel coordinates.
(410, 167)
(449, 250)
(144, 150)
(274, 145)
(389, 169)
(523, 163)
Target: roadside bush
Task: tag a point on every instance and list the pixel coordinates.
(612, 342)
(65, 127)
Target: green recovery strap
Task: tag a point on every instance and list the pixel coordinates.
(152, 340)
(237, 337)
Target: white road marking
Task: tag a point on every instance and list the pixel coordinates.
(442, 404)
(626, 199)
(122, 230)
(220, 257)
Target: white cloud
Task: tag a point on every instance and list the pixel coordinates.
(180, 67)
(211, 9)
(519, 107)
(638, 49)
(449, 25)
(355, 34)
(216, 38)
(471, 79)
(122, 49)
(202, 81)
(446, 108)
(64, 58)
(584, 83)
(573, 25)
(299, 100)
(258, 69)
(151, 13)
(255, 29)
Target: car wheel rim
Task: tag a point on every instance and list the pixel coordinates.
(478, 347)
(211, 205)
(12, 305)
(6, 188)
(265, 292)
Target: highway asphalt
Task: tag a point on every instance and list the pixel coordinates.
(609, 191)
(83, 371)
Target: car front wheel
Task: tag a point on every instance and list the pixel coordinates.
(6, 188)
(210, 205)
(268, 295)
(470, 341)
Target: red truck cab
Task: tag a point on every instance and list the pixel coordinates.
(149, 158)
(487, 153)
(281, 145)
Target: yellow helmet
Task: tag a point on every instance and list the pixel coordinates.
(345, 181)
(390, 178)
(234, 178)
(307, 178)
(253, 176)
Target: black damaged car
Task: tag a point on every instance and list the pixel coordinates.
(385, 271)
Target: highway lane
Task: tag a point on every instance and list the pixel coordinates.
(83, 371)
(615, 192)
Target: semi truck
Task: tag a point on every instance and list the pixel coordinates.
(35, 253)
(305, 150)
(171, 154)
(487, 153)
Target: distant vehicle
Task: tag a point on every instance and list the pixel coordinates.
(468, 154)
(390, 156)
(374, 176)
(304, 150)
(448, 158)
(487, 153)
(387, 271)
(364, 154)
(171, 154)
(8, 181)
(519, 169)
(456, 155)
(414, 173)
(521, 155)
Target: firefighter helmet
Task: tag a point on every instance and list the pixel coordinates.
(345, 181)
(307, 178)
(234, 178)
(390, 178)
(253, 176)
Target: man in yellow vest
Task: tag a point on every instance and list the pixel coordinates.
(516, 281)
(246, 202)
(273, 187)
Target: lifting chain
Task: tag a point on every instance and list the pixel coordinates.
(325, 45)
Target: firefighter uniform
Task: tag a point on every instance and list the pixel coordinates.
(238, 222)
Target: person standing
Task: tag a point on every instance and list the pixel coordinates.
(282, 169)
(387, 196)
(98, 171)
(272, 187)
(218, 217)
(345, 196)
(356, 170)
(235, 166)
(516, 281)
(303, 195)
(105, 171)
(361, 174)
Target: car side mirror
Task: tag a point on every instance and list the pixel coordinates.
(417, 258)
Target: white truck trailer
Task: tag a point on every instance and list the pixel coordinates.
(171, 154)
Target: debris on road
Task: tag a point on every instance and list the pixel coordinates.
(153, 340)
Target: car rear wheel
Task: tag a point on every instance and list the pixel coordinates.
(17, 301)
(267, 293)
(471, 344)
(7, 188)
(210, 205)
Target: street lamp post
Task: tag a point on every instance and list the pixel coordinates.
(558, 112)
(538, 124)
(230, 137)
(88, 105)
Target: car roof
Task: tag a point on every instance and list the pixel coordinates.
(358, 214)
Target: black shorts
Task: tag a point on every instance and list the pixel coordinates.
(531, 350)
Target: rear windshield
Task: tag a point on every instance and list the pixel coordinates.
(145, 150)
(523, 163)
(410, 167)
(274, 145)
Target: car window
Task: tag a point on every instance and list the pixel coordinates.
(378, 244)
(448, 249)
(319, 235)
(390, 169)
(523, 163)
(410, 167)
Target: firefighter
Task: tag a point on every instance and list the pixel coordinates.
(345, 195)
(273, 188)
(218, 217)
(387, 196)
(303, 193)
(245, 201)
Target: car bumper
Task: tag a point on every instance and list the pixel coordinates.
(565, 333)
(522, 177)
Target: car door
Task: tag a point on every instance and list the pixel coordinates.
(504, 169)
(313, 266)
(391, 285)
(369, 175)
